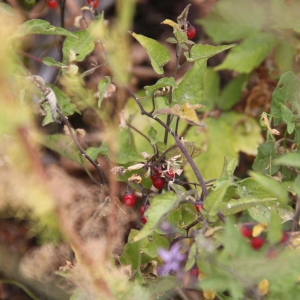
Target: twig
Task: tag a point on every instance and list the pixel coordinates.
(177, 140)
(96, 166)
(62, 14)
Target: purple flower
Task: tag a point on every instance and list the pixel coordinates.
(172, 259)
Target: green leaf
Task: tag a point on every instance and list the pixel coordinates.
(164, 284)
(286, 90)
(159, 207)
(275, 227)
(248, 188)
(213, 200)
(190, 89)
(49, 61)
(199, 51)
(102, 87)
(131, 253)
(284, 55)
(225, 136)
(94, 152)
(163, 82)
(41, 27)
(64, 145)
(272, 186)
(264, 161)
(64, 103)
(81, 42)
(249, 54)
(191, 148)
(152, 134)
(158, 54)
(150, 245)
(6, 10)
(235, 206)
(231, 20)
(211, 90)
(232, 92)
(126, 149)
(290, 159)
(180, 36)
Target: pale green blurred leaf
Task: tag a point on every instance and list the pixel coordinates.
(290, 159)
(102, 87)
(249, 54)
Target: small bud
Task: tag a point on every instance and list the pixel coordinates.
(72, 56)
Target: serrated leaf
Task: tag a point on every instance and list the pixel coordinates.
(286, 90)
(264, 161)
(102, 87)
(163, 82)
(42, 27)
(6, 10)
(158, 54)
(232, 20)
(290, 159)
(275, 227)
(152, 134)
(199, 51)
(159, 207)
(235, 206)
(231, 94)
(272, 186)
(190, 89)
(49, 61)
(249, 54)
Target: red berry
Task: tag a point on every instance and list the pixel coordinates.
(257, 242)
(157, 181)
(129, 199)
(198, 206)
(284, 238)
(52, 3)
(157, 170)
(246, 230)
(95, 3)
(194, 272)
(143, 219)
(144, 208)
(191, 31)
(171, 173)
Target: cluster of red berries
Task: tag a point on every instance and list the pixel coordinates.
(94, 2)
(158, 181)
(191, 31)
(258, 241)
(52, 4)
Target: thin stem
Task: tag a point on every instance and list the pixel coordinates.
(178, 142)
(96, 166)
(62, 14)
(20, 285)
(143, 135)
(176, 127)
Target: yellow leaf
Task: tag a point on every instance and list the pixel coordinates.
(186, 113)
(209, 295)
(170, 23)
(263, 287)
(258, 229)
